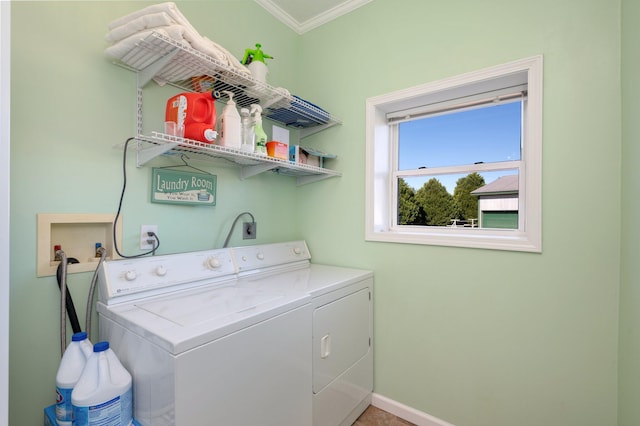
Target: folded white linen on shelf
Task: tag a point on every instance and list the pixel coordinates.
(120, 49)
(169, 8)
(232, 60)
(141, 23)
(166, 19)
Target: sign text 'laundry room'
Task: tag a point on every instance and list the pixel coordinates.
(182, 187)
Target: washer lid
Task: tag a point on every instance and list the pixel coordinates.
(185, 320)
(192, 309)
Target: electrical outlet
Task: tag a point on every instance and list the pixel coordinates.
(144, 236)
(249, 230)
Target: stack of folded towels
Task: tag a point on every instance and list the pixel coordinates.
(164, 18)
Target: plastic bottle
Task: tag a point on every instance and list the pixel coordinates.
(103, 394)
(254, 60)
(71, 366)
(196, 112)
(260, 135)
(229, 125)
(247, 131)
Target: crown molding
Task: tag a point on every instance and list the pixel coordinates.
(308, 25)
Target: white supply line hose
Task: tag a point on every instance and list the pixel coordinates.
(92, 288)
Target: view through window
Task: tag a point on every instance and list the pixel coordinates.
(454, 168)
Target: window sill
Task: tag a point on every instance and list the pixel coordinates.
(493, 240)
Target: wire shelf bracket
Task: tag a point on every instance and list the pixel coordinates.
(146, 74)
(149, 153)
(249, 171)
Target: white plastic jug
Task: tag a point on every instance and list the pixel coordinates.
(229, 125)
(69, 371)
(103, 394)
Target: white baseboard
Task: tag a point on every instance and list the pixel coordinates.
(405, 412)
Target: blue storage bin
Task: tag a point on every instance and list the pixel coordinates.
(300, 114)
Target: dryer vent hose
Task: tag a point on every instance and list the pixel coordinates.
(66, 301)
(71, 309)
(63, 300)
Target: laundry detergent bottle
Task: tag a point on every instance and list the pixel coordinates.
(260, 135)
(196, 112)
(73, 361)
(103, 394)
(229, 125)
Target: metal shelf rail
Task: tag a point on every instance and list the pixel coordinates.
(167, 61)
(250, 164)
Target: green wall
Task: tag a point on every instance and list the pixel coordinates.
(479, 337)
(70, 107)
(475, 337)
(629, 359)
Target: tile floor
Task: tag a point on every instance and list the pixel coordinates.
(373, 416)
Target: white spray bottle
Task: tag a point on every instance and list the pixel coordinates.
(229, 125)
(247, 131)
(260, 135)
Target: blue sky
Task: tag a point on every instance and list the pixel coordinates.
(489, 134)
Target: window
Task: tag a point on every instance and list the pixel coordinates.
(457, 162)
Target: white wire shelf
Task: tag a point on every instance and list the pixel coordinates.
(251, 164)
(165, 60)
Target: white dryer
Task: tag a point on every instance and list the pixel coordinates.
(342, 328)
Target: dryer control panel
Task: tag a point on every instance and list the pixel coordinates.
(259, 257)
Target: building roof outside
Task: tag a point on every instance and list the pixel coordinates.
(503, 185)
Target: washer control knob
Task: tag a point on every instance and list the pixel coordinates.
(213, 263)
(297, 250)
(260, 256)
(130, 275)
(161, 271)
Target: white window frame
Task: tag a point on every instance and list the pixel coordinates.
(380, 204)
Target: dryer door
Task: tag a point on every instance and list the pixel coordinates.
(340, 336)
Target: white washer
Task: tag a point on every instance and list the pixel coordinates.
(238, 336)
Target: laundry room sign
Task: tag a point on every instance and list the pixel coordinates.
(171, 186)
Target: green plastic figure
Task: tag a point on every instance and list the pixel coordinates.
(256, 54)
